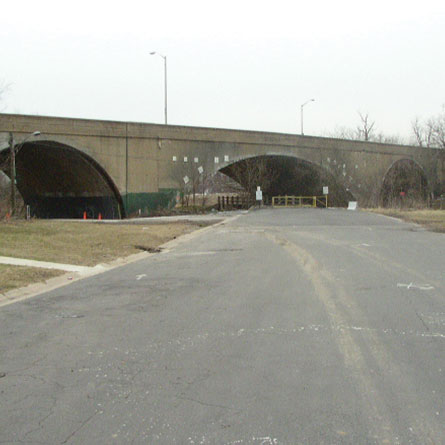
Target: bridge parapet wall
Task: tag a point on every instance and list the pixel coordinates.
(144, 158)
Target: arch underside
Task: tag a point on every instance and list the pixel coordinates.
(58, 181)
(285, 175)
(404, 184)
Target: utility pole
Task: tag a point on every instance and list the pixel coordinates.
(153, 53)
(165, 89)
(301, 114)
(12, 170)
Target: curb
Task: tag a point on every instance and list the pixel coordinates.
(35, 289)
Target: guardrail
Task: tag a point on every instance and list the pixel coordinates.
(234, 202)
(300, 201)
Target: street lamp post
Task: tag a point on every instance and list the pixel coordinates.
(165, 82)
(13, 152)
(301, 113)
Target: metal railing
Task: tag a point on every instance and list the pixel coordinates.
(234, 202)
(300, 201)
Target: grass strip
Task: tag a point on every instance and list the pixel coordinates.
(433, 220)
(17, 276)
(85, 244)
(80, 243)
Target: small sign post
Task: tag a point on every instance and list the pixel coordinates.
(326, 193)
(259, 196)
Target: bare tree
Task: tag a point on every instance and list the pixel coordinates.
(365, 131)
(344, 133)
(192, 181)
(4, 88)
(437, 125)
(388, 139)
(430, 133)
(422, 132)
(251, 173)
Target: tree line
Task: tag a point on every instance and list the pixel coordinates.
(428, 132)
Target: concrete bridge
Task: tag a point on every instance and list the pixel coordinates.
(117, 168)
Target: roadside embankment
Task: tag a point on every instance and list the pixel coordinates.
(433, 220)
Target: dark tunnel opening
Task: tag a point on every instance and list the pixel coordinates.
(404, 185)
(58, 181)
(284, 175)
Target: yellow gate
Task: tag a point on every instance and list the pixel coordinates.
(300, 201)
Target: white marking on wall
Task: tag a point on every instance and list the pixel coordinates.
(185, 159)
(226, 158)
(196, 160)
(216, 160)
(174, 159)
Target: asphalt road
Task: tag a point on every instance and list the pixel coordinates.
(279, 327)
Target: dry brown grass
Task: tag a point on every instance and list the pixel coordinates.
(80, 243)
(83, 243)
(431, 219)
(18, 276)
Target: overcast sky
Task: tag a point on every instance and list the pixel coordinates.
(231, 64)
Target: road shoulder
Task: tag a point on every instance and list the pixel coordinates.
(35, 289)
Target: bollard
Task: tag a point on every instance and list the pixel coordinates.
(84, 215)
(100, 216)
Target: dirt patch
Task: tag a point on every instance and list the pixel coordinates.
(431, 219)
(12, 277)
(85, 244)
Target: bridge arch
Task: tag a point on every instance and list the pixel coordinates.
(404, 184)
(280, 174)
(59, 181)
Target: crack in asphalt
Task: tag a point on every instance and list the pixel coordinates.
(206, 404)
(79, 428)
